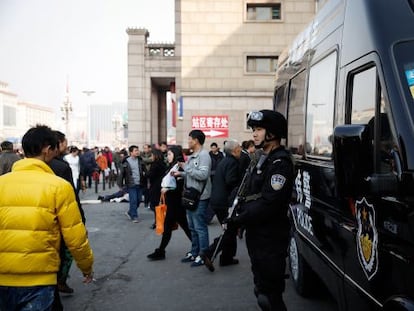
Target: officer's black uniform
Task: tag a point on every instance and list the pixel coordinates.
(264, 215)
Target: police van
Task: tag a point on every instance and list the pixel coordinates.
(346, 87)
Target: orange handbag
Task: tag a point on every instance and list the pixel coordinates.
(160, 212)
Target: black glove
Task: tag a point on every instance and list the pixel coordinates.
(232, 222)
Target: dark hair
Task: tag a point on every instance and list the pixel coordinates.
(247, 144)
(6, 145)
(157, 155)
(199, 135)
(163, 143)
(213, 145)
(73, 148)
(36, 139)
(132, 147)
(60, 136)
(178, 154)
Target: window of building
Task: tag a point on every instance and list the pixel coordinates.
(263, 12)
(9, 116)
(320, 107)
(261, 64)
(246, 115)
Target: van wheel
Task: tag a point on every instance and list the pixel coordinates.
(302, 275)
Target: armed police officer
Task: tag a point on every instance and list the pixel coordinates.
(263, 212)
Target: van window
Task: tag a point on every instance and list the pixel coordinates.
(280, 100)
(320, 106)
(404, 59)
(364, 92)
(296, 114)
(366, 97)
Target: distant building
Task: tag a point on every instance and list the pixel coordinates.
(8, 113)
(33, 114)
(16, 116)
(108, 124)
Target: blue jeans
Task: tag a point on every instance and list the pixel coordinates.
(198, 227)
(134, 200)
(33, 298)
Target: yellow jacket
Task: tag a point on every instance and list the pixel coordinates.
(36, 208)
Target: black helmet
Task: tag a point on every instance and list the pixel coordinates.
(273, 121)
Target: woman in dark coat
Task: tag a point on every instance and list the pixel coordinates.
(155, 175)
(175, 212)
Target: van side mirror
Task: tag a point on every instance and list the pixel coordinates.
(353, 157)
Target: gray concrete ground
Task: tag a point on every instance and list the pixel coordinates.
(126, 280)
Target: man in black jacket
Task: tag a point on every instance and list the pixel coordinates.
(88, 165)
(247, 154)
(225, 180)
(131, 175)
(62, 169)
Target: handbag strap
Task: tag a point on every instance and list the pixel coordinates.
(202, 189)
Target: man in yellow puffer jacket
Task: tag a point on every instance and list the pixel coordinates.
(36, 209)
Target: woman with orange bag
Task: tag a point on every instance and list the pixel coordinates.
(175, 212)
(102, 163)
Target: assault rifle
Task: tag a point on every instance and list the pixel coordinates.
(239, 198)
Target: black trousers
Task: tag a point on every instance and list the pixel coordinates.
(175, 214)
(267, 249)
(228, 245)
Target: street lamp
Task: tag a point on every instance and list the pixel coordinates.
(116, 124)
(66, 109)
(88, 115)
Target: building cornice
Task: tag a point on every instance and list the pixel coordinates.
(221, 93)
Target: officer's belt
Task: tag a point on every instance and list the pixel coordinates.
(252, 197)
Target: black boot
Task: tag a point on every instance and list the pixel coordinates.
(267, 303)
(158, 254)
(228, 261)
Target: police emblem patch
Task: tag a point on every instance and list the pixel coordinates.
(367, 237)
(277, 181)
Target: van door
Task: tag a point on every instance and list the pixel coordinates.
(315, 209)
(373, 267)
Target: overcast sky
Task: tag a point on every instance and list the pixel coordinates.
(42, 42)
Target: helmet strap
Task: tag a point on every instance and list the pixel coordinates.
(268, 138)
(260, 146)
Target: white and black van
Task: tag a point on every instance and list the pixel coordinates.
(346, 87)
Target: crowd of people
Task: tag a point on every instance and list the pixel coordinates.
(258, 173)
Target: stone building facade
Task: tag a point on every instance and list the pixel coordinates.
(223, 66)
